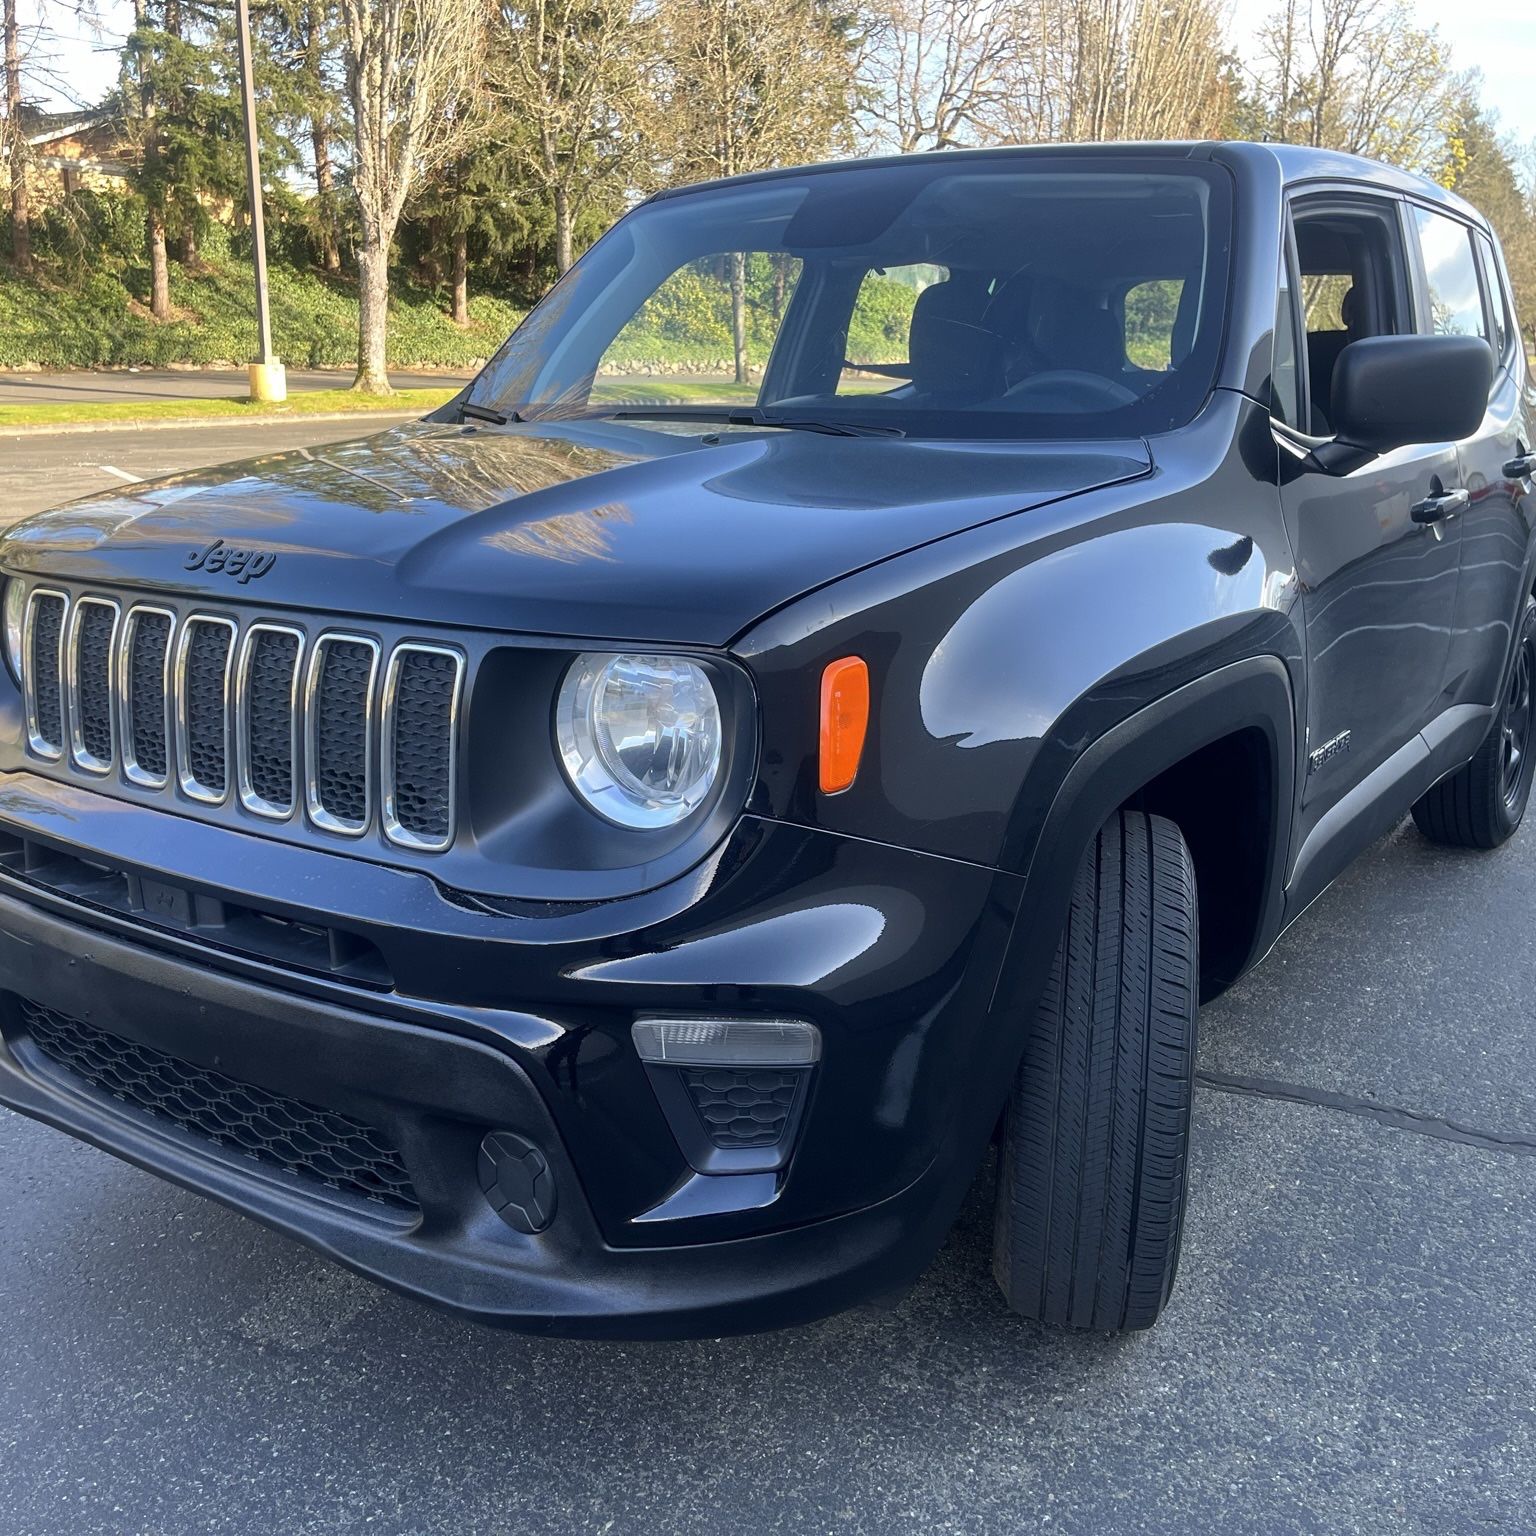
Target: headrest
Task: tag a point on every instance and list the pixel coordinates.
(1182, 341)
(951, 351)
(1349, 309)
(1071, 329)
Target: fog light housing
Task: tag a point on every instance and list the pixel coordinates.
(733, 1090)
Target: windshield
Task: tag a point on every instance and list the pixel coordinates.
(949, 298)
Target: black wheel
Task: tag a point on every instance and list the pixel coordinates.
(1091, 1182)
(1481, 805)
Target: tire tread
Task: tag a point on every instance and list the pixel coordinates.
(1093, 1178)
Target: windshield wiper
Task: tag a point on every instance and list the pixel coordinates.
(757, 418)
(469, 411)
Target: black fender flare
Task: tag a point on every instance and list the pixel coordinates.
(1249, 694)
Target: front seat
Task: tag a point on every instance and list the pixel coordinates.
(1072, 331)
(1323, 349)
(955, 359)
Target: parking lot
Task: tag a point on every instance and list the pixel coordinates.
(1350, 1348)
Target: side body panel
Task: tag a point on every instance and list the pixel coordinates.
(996, 663)
(1496, 541)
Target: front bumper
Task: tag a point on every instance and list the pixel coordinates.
(894, 956)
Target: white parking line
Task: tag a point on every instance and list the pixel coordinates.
(122, 474)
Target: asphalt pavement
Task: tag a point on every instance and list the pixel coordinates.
(1350, 1348)
(184, 383)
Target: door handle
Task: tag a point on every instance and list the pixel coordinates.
(1441, 508)
(1521, 467)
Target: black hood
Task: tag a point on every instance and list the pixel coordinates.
(603, 530)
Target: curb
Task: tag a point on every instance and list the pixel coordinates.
(161, 423)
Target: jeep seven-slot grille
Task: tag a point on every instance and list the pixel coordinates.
(334, 727)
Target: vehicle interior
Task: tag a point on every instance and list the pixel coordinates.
(944, 301)
(1030, 299)
(1352, 287)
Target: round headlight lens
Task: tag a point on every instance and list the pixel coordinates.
(639, 736)
(15, 608)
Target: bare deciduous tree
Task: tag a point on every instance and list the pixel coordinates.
(577, 76)
(1118, 69)
(409, 63)
(938, 73)
(14, 141)
(754, 83)
(1356, 75)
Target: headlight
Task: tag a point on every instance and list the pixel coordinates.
(15, 608)
(639, 736)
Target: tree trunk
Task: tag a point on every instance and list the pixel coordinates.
(461, 278)
(325, 188)
(739, 313)
(187, 254)
(159, 270)
(431, 260)
(565, 236)
(21, 233)
(372, 318)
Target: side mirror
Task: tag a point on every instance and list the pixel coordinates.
(1390, 391)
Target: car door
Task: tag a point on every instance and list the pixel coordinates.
(1377, 549)
(1465, 292)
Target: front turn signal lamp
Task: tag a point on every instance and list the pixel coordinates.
(844, 722)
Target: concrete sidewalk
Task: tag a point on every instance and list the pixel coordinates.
(185, 384)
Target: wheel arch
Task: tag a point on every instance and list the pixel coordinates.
(1218, 757)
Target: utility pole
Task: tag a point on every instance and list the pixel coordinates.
(268, 379)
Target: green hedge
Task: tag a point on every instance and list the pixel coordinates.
(101, 321)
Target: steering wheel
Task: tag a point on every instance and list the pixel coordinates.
(1076, 390)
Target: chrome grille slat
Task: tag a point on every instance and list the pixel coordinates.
(338, 733)
(205, 657)
(42, 647)
(255, 717)
(268, 691)
(418, 750)
(89, 657)
(144, 695)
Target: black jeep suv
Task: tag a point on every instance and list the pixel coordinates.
(610, 857)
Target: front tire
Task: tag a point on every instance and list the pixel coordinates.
(1093, 1172)
(1482, 804)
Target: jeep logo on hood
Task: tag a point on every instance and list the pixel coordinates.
(243, 564)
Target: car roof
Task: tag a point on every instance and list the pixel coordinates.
(1297, 164)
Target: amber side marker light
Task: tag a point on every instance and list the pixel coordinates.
(844, 722)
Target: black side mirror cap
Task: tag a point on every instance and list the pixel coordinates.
(1390, 391)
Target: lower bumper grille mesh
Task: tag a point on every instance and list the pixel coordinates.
(314, 1143)
(743, 1107)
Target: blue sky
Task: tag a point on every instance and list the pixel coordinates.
(1496, 36)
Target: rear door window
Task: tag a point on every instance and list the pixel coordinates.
(1498, 298)
(1450, 272)
(1150, 316)
(878, 351)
